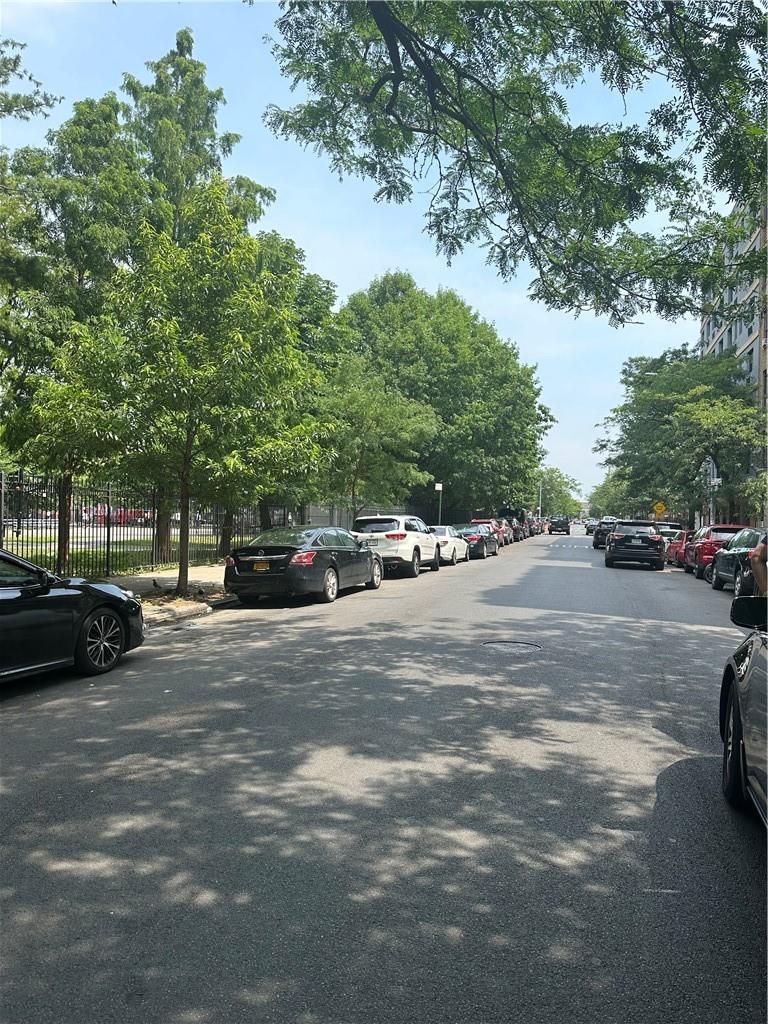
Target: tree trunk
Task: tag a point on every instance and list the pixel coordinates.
(227, 528)
(64, 519)
(182, 584)
(265, 518)
(162, 552)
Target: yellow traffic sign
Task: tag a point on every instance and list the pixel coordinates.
(659, 508)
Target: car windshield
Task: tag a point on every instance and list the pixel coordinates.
(641, 528)
(296, 538)
(724, 534)
(375, 525)
(441, 531)
(471, 528)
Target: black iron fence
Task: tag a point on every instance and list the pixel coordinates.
(111, 529)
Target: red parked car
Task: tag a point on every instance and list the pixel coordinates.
(700, 549)
(676, 547)
(496, 527)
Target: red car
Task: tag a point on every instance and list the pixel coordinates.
(676, 547)
(700, 549)
(496, 527)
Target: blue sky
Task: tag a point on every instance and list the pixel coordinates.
(82, 49)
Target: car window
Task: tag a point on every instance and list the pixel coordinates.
(12, 575)
(368, 525)
(346, 540)
(423, 528)
(723, 534)
(412, 526)
(319, 541)
(297, 537)
(442, 531)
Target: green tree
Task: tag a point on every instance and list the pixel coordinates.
(559, 493)
(376, 437)
(611, 497)
(435, 350)
(30, 99)
(470, 102)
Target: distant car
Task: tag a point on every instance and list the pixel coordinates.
(48, 622)
(676, 547)
(668, 530)
(601, 531)
(509, 533)
(731, 563)
(634, 540)
(590, 526)
(495, 526)
(743, 711)
(453, 548)
(404, 542)
(700, 549)
(301, 560)
(518, 533)
(560, 524)
(480, 537)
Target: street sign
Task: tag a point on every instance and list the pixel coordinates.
(438, 487)
(659, 508)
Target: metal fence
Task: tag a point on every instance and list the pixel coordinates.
(114, 529)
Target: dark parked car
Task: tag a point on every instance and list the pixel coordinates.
(700, 550)
(47, 622)
(601, 531)
(301, 560)
(560, 524)
(743, 710)
(731, 563)
(635, 541)
(590, 526)
(481, 539)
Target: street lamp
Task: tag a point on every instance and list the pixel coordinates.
(439, 489)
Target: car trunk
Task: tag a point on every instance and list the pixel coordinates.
(267, 558)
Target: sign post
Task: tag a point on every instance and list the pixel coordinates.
(439, 489)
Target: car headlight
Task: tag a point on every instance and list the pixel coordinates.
(128, 593)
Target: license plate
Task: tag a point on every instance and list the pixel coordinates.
(635, 540)
(372, 543)
(260, 566)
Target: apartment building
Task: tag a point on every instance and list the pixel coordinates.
(746, 338)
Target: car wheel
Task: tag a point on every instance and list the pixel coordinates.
(688, 568)
(609, 563)
(740, 588)
(484, 552)
(717, 583)
(248, 600)
(733, 763)
(496, 552)
(375, 581)
(466, 557)
(330, 590)
(101, 642)
(659, 567)
(415, 565)
(454, 556)
(436, 560)
(699, 571)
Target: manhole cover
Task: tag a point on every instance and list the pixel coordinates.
(513, 646)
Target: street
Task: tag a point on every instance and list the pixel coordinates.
(373, 812)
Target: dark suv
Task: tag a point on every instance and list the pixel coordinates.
(635, 541)
(559, 524)
(602, 530)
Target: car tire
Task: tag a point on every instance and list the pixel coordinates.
(414, 567)
(376, 575)
(688, 568)
(659, 567)
(496, 552)
(466, 557)
(435, 563)
(608, 563)
(740, 588)
(454, 556)
(101, 642)
(733, 756)
(330, 590)
(699, 571)
(717, 583)
(484, 552)
(248, 600)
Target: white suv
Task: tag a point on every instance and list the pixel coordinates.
(403, 542)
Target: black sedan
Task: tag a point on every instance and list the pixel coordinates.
(481, 539)
(602, 530)
(743, 711)
(635, 541)
(731, 563)
(301, 560)
(47, 622)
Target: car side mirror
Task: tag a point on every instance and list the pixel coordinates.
(432, 529)
(750, 612)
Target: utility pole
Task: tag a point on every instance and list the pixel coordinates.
(540, 490)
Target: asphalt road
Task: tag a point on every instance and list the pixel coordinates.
(365, 814)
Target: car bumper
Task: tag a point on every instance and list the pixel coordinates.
(135, 635)
(634, 556)
(292, 581)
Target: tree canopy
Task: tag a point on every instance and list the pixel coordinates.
(470, 101)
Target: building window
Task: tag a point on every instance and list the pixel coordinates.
(720, 347)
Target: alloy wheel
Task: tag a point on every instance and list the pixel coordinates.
(103, 642)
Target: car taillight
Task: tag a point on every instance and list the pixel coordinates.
(303, 558)
(229, 560)
(395, 536)
(618, 536)
(473, 537)
(443, 543)
(656, 536)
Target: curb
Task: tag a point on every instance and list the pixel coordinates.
(168, 616)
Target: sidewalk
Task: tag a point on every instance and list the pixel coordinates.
(161, 607)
